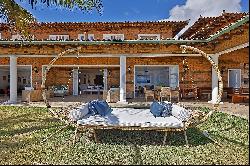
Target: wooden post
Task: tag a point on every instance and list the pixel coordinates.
(95, 137)
(74, 139)
(185, 133)
(165, 137)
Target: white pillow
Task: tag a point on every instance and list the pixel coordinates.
(180, 113)
(77, 114)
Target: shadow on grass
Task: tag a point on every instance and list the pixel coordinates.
(137, 137)
(26, 123)
(26, 130)
(230, 140)
(137, 157)
(10, 144)
(24, 118)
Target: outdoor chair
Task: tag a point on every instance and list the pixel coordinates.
(83, 88)
(189, 93)
(165, 93)
(175, 95)
(113, 95)
(148, 93)
(240, 95)
(60, 90)
(236, 90)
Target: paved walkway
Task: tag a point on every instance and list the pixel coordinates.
(241, 110)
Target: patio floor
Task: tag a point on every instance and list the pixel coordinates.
(239, 109)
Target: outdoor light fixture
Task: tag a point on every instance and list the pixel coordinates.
(129, 70)
(223, 69)
(35, 69)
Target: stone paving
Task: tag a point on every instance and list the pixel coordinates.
(241, 109)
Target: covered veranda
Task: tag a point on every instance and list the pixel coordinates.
(123, 72)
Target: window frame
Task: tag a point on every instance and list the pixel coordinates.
(91, 35)
(81, 35)
(109, 36)
(59, 37)
(158, 36)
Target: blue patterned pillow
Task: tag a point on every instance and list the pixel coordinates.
(167, 111)
(92, 109)
(102, 107)
(156, 109)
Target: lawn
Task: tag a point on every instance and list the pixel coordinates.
(23, 128)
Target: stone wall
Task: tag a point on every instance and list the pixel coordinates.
(130, 30)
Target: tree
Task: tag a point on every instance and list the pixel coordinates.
(19, 18)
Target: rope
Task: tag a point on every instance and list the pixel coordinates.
(47, 70)
(216, 68)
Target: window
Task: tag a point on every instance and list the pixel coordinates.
(20, 37)
(81, 37)
(16, 37)
(58, 37)
(113, 36)
(33, 37)
(91, 37)
(149, 36)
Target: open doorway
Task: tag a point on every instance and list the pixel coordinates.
(90, 81)
(24, 79)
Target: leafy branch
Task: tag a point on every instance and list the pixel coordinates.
(19, 19)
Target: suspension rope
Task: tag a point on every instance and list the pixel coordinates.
(49, 67)
(216, 68)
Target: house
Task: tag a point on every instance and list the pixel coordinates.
(128, 56)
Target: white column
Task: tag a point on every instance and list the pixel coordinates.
(214, 81)
(13, 79)
(75, 82)
(122, 79)
(105, 79)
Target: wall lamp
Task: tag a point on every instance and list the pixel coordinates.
(223, 70)
(129, 69)
(35, 69)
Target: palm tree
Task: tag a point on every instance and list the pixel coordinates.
(18, 18)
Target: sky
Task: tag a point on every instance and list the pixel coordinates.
(139, 10)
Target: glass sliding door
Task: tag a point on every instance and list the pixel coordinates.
(174, 76)
(152, 76)
(234, 78)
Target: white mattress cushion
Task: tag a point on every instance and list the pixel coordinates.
(131, 117)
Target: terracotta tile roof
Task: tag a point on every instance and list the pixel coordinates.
(206, 26)
(176, 26)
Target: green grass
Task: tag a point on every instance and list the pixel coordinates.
(23, 128)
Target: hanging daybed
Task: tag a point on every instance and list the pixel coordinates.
(139, 119)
